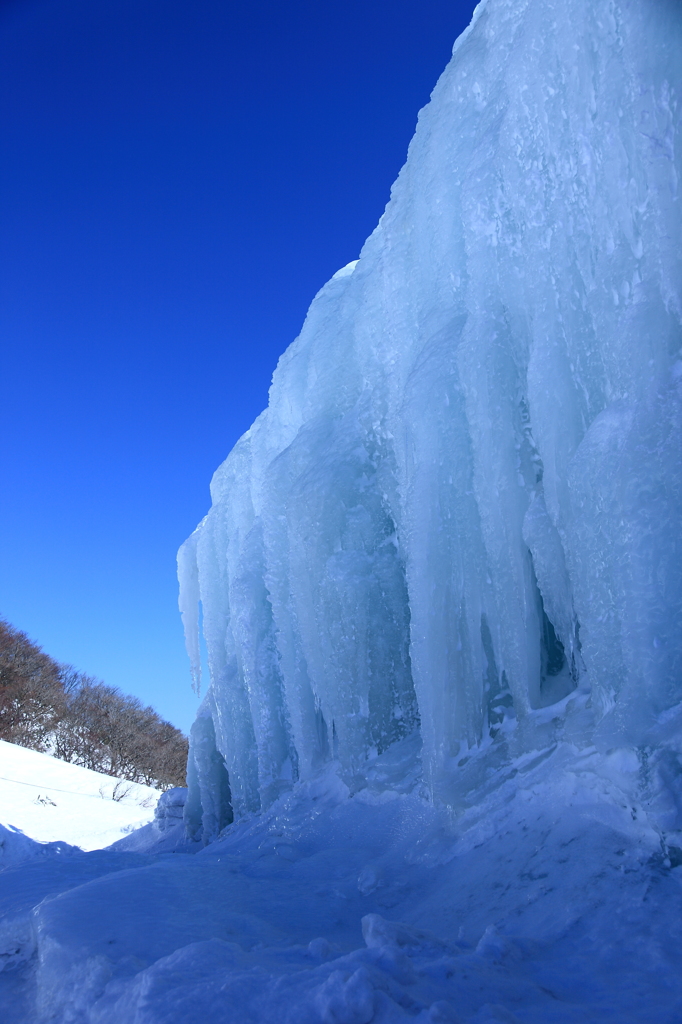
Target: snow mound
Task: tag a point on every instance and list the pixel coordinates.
(16, 848)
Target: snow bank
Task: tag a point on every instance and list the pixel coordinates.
(17, 848)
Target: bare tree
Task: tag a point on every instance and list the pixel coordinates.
(31, 693)
(80, 719)
(111, 732)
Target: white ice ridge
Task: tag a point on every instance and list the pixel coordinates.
(464, 499)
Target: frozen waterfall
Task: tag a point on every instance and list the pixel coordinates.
(462, 505)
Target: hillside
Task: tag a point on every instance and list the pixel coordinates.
(56, 709)
(50, 800)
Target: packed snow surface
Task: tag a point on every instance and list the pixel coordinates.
(50, 800)
(437, 774)
(550, 900)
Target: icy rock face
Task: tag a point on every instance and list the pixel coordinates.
(463, 500)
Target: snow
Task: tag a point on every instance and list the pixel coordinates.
(549, 899)
(437, 773)
(50, 800)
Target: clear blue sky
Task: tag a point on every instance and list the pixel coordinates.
(179, 178)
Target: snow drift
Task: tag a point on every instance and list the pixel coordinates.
(461, 507)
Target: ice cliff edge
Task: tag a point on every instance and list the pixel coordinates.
(462, 507)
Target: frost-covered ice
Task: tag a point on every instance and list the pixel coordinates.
(437, 774)
(51, 800)
(463, 501)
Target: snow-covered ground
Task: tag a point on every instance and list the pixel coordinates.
(550, 899)
(50, 800)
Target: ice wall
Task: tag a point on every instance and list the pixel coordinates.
(464, 499)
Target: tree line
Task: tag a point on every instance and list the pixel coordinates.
(56, 709)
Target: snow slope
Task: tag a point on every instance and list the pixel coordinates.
(50, 800)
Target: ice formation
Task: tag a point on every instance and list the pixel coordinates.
(463, 501)
(441, 593)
